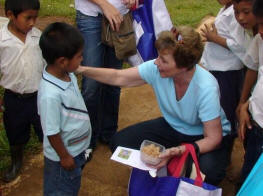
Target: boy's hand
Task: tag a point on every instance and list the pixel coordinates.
(244, 121)
(68, 163)
(209, 33)
(66, 160)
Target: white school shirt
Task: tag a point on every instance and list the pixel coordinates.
(21, 64)
(91, 9)
(218, 58)
(254, 55)
(256, 100)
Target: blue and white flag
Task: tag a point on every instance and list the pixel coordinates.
(149, 19)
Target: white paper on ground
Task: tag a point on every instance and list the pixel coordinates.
(130, 157)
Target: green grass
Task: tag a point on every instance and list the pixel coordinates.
(57, 8)
(183, 12)
(190, 12)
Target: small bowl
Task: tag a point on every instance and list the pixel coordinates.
(150, 151)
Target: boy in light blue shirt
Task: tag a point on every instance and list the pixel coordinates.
(64, 116)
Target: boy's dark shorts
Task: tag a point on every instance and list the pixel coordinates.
(19, 114)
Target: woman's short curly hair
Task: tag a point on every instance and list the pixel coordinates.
(187, 51)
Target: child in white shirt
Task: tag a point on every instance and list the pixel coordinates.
(251, 112)
(21, 66)
(228, 40)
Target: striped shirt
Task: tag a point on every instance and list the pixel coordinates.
(62, 111)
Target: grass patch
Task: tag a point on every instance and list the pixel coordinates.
(57, 8)
(191, 12)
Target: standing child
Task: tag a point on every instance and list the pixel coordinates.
(228, 40)
(21, 67)
(63, 114)
(252, 61)
(251, 112)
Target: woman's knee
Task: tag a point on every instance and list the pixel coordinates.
(213, 168)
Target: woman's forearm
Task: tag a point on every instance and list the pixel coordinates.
(123, 78)
(212, 136)
(208, 144)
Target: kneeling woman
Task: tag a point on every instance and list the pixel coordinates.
(188, 97)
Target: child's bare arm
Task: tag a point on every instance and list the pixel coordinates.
(250, 80)
(210, 34)
(66, 160)
(244, 120)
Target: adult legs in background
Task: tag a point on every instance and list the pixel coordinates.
(90, 27)
(102, 101)
(110, 100)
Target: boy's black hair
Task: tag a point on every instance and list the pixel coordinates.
(258, 8)
(18, 6)
(60, 40)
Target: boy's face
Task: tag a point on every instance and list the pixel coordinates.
(260, 26)
(244, 15)
(74, 63)
(24, 21)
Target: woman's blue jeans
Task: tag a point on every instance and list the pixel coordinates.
(102, 100)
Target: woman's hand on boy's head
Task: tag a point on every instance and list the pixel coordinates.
(209, 32)
(244, 121)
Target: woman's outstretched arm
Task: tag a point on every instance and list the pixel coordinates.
(117, 77)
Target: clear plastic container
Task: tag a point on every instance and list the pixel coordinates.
(150, 151)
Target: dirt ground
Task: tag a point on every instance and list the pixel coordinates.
(101, 176)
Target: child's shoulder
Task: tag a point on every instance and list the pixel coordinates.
(225, 18)
(204, 78)
(258, 39)
(225, 14)
(36, 32)
(3, 27)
